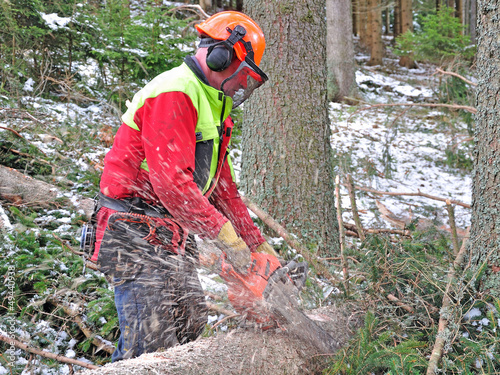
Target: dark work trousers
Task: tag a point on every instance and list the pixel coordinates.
(158, 296)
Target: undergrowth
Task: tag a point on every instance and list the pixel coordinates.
(398, 337)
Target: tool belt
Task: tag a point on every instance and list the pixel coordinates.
(131, 205)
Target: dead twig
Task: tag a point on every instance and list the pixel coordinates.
(221, 310)
(440, 71)
(25, 113)
(195, 8)
(65, 245)
(345, 268)
(354, 208)
(46, 354)
(437, 350)
(439, 105)
(418, 194)
(401, 232)
(453, 227)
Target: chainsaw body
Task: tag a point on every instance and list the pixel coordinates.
(268, 294)
(246, 291)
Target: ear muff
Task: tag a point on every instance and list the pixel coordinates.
(220, 55)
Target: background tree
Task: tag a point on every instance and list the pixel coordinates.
(374, 30)
(287, 164)
(340, 50)
(485, 231)
(406, 23)
(470, 18)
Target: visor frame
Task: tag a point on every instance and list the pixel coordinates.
(247, 63)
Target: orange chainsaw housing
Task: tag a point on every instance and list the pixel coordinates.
(245, 291)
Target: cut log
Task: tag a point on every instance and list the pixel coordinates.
(21, 189)
(241, 351)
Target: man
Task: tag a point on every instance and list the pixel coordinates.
(167, 177)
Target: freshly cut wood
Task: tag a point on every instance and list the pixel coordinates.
(241, 351)
(18, 188)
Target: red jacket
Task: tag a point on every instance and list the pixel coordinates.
(167, 141)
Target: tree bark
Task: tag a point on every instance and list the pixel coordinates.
(340, 50)
(241, 351)
(485, 229)
(287, 156)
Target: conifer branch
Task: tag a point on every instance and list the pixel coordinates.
(46, 354)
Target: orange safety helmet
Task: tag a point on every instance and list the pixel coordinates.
(220, 25)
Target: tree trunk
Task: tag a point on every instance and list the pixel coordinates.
(340, 50)
(245, 352)
(406, 25)
(397, 18)
(485, 229)
(375, 32)
(362, 23)
(355, 10)
(287, 163)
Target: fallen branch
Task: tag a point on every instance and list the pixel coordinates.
(352, 227)
(72, 311)
(46, 354)
(281, 231)
(439, 105)
(418, 194)
(439, 70)
(437, 350)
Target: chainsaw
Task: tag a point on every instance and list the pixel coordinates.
(268, 295)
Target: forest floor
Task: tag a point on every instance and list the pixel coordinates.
(384, 148)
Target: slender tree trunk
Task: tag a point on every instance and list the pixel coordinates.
(340, 50)
(485, 229)
(387, 21)
(375, 30)
(362, 23)
(355, 10)
(469, 13)
(397, 18)
(287, 163)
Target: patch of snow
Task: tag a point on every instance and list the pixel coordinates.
(472, 313)
(28, 85)
(54, 21)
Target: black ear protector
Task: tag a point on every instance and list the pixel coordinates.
(220, 55)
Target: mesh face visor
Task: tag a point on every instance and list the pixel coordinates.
(243, 82)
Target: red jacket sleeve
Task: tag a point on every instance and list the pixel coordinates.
(168, 132)
(228, 201)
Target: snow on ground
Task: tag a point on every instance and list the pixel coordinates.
(400, 149)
